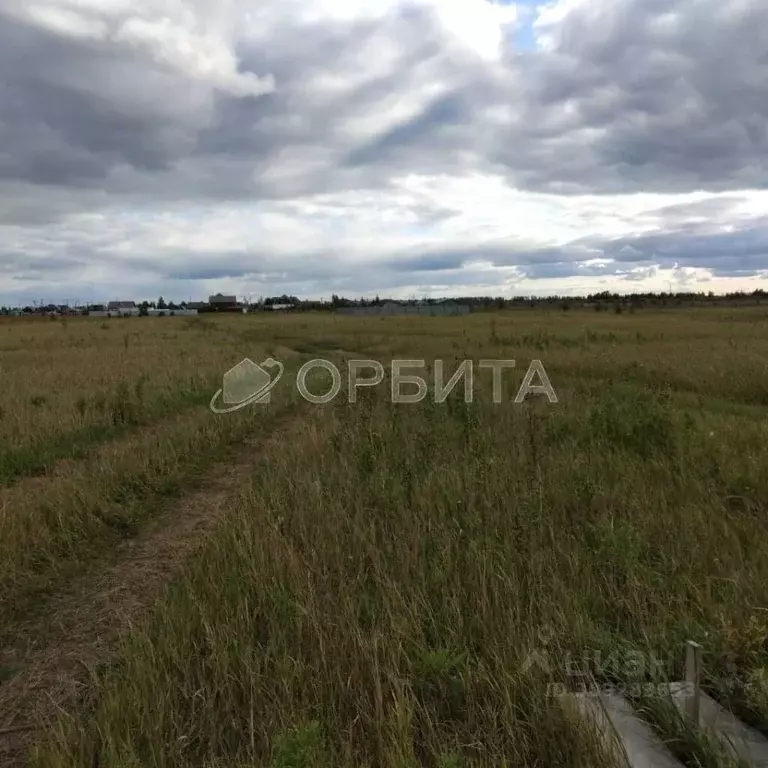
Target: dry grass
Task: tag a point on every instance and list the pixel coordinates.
(372, 598)
(100, 422)
(57, 650)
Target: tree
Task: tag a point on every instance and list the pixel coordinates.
(161, 303)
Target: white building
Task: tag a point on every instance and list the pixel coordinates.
(122, 309)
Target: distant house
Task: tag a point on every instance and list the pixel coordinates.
(122, 308)
(224, 303)
(199, 306)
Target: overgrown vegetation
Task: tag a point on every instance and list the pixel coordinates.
(375, 596)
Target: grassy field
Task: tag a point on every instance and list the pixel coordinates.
(379, 581)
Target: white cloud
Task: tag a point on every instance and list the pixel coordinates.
(196, 38)
(365, 240)
(318, 146)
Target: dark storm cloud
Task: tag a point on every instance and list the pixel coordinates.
(439, 262)
(634, 95)
(68, 111)
(441, 114)
(711, 209)
(743, 252)
(17, 262)
(566, 269)
(212, 273)
(74, 112)
(671, 92)
(724, 253)
(501, 253)
(263, 267)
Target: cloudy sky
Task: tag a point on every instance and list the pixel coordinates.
(400, 147)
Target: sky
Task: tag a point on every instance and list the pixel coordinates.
(405, 148)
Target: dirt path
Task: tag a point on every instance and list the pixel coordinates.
(51, 661)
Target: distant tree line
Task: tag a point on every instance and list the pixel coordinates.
(604, 300)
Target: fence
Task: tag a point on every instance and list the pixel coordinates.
(407, 309)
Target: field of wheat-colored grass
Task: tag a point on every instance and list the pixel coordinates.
(377, 584)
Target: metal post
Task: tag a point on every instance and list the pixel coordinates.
(693, 681)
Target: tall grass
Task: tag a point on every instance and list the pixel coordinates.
(374, 597)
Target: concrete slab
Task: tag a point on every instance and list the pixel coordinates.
(628, 738)
(745, 742)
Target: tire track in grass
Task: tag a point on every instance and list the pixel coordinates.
(123, 417)
(82, 626)
(50, 525)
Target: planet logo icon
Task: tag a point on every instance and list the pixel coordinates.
(247, 383)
